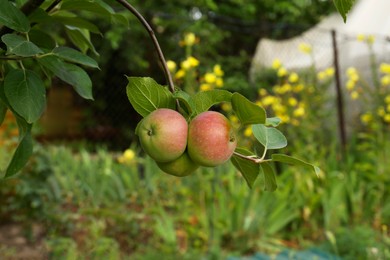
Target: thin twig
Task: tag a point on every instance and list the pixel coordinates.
(254, 159)
(154, 39)
(52, 6)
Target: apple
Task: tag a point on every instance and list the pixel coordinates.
(182, 166)
(211, 139)
(163, 134)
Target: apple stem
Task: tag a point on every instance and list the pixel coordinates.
(154, 40)
(252, 158)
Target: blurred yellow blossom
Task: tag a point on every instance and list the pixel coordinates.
(292, 101)
(263, 92)
(351, 71)
(233, 119)
(361, 37)
(350, 84)
(381, 111)
(276, 64)
(127, 157)
(329, 72)
(321, 75)
(384, 68)
(386, 117)
(189, 40)
(248, 131)
(210, 78)
(388, 108)
(293, 78)
(226, 107)
(370, 39)
(190, 62)
(282, 72)
(219, 82)
(305, 48)
(268, 100)
(298, 88)
(387, 99)
(366, 118)
(385, 80)
(180, 74)
(218, 70)
(354, 95)
(205, 87)
(299, 112)
(171, 65)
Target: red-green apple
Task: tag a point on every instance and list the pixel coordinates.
(182, 166)
(211, 139)
(163, 134)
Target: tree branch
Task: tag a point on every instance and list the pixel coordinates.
(154, 39)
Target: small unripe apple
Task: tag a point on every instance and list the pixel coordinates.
(182, 166)
(211, 139)
(163, 134)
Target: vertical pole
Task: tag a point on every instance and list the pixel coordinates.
(340, 103)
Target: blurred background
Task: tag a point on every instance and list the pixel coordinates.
(89, 191)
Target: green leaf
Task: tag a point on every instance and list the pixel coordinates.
(185, 99)
(202, 101)
(294, 161)
(21, 155)
(71, 74)
(269, 177)
(25, 93)
(3, 110)
(20, 46)
(247, 111)
(72, 55)
(12, 17)
(343, 6)
(77, 23)
(273, 121)
(249, 169)
(146, 95)
(269, 137)
(81, 39)
(95, 7)
(41, 39)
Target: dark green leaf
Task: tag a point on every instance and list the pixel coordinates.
(269, 177)
(247, 111)
(96, 7)
(40, 16)
(72, 55)
(25, 93)
(71, 74)
(294, 161)
(76, 22)
(272, 121)
(146, 95)
(249, 169)
(138, 125)
(184, 99)
(202, 101)
(269, 137)
(3, 111)
(41, 39)
(343, 6)
(81, 39)
(21, 155)
(12, 17)
(20, 46)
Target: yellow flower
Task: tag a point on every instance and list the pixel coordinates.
(370, 39)
(354, 77)
(384, 68)
(387, 99)
(189, 39)
(354, 95)
(381, 111)
(321, 75)
(329, 72)
(171, 65)
(263, 92)
(388, 108)
(210, 78)
(294, 122)
(292, 101)
(387, 118)
(305, 48)
(284, 118)
(282, 72)
(185, 65)
(286, 88)
(299, 112)
(233, 119)
(258, 103)
(226, 107)
(180, 74)
(268, 100)
(127, 157)
(350, 84)
(385, 80)
(298, 88)
(276, 64)
(248, 131)
(218, 71)
(361, 37)
(219, 82)
(351, 71)
(293, 78)
(366, 118)
(205, 87)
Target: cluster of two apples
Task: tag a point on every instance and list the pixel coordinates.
(179, 147)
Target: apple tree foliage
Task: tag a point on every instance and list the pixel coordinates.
(35, 40)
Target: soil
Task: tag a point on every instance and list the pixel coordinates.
(16, 244)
